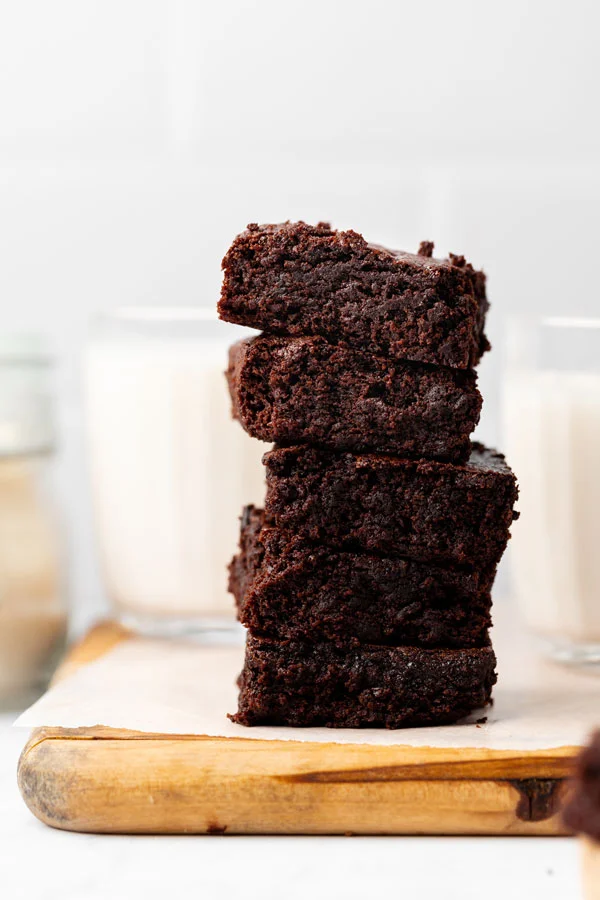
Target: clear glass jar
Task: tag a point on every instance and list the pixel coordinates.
(552, 424)
(170, 469)
(33, 614)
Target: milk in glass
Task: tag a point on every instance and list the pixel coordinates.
(170, 470)
(552, 421)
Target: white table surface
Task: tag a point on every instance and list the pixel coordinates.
(38, 863)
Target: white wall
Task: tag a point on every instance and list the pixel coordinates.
(138, 136)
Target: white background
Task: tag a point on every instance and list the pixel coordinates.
(137, 137)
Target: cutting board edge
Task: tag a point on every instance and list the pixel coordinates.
(111, 781)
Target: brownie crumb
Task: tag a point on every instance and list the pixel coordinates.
(458, 261)
(425, 249)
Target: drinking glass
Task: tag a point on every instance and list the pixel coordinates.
(170, 470)
(33, 596)
(552, 422)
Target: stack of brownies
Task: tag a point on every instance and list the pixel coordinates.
(365, 582)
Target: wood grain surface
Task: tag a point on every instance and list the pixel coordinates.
(107, 780)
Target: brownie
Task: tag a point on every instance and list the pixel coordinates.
(582, 813)
(299, 684)
(298, 279)
(287, 588)
(305, 390)
(419, 509)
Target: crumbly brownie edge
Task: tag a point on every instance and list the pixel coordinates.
(247, 561)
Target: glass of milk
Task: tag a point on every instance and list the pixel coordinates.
(552, 422)
(170, 470)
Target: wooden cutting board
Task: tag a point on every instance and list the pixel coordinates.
(107, 780)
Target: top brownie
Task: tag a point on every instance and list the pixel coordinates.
(298, 279)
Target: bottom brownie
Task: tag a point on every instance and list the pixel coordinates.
(300, 684)
(289, 589)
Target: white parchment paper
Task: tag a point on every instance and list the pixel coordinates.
(182, 687)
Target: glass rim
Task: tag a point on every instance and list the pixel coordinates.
(551, 321)
(147, 314)
(570, 322)
(25, 349)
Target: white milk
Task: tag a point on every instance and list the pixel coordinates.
(170, 471)
(553, 443)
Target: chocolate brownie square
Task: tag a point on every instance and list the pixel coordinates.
(305, 390)
(289, 589)
(298, 279)
(582, 813)
(301, 684)
(419, 509)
